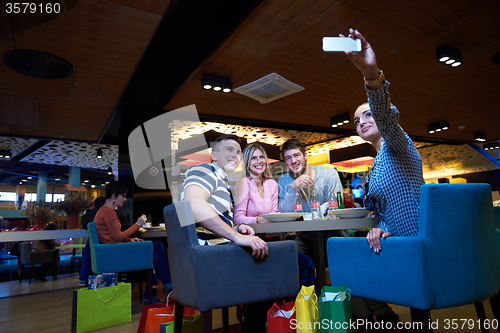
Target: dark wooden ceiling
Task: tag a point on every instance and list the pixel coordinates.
(134, 60)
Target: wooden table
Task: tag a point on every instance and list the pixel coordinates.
(316, 226)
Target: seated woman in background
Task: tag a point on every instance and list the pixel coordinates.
(257, 193)
(109, 231)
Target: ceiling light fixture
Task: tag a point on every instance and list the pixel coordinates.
(216, 83)
(110, 171)
(340, 119)
(438, 127)
(449, 56)
(489, 146)
(57, 178)
(99, 153)
(481, 137)
(4, 153)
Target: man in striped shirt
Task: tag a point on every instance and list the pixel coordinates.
(207, 189)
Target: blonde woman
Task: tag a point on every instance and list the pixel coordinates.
(257, 193)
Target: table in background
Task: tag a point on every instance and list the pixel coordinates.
(316, 226)
(17, 236)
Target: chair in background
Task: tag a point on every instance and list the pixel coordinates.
(214, 277)
(27, 257)
(454, 260)
(120, 257)
(72, 262)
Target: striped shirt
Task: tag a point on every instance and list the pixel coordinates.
(213, 180)
(396, 176)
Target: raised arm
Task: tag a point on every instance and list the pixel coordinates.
(385, 114)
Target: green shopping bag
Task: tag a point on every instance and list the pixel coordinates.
(335, 309)
(189, 325)
(98, 308)
(306, 309)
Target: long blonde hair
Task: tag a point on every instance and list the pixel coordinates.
(247, 156)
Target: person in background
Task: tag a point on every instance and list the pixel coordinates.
(40, 272)
(207, 190)
(257, 193)
(300, 180)
(109, 231)
(90, 213)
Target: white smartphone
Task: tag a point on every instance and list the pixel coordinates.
(339, 44)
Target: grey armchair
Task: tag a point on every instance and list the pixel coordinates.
(213, 277)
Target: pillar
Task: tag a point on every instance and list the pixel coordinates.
(41, 188)
(74, 176)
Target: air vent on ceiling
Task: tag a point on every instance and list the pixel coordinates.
(38, 64)
(269, 88)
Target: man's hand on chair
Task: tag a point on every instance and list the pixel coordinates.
(258, 246)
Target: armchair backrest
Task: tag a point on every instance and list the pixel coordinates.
(461, 247)
(118, 257)
(180, 242)
(24, 253)
(176, 216)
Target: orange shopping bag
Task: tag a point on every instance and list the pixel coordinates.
(163, 314)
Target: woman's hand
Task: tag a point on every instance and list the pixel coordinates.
(365, 60)
(141, 220)
(373, 238)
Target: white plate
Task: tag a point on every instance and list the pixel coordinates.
(351, 213)
(282, 217)
(154, 228)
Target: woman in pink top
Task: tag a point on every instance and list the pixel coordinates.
(257, 193)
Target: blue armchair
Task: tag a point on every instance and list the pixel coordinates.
(120, 257)
(213, 277)
(454, 260)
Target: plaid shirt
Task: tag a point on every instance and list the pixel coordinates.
(396, 177)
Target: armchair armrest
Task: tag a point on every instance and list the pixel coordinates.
(387, 276)
(239, 273)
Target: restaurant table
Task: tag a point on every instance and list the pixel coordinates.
(316, 226)
(16, 236)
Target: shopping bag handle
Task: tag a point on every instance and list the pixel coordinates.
(112, 297)
(191, 319)
(292, 311)
(347, 294)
